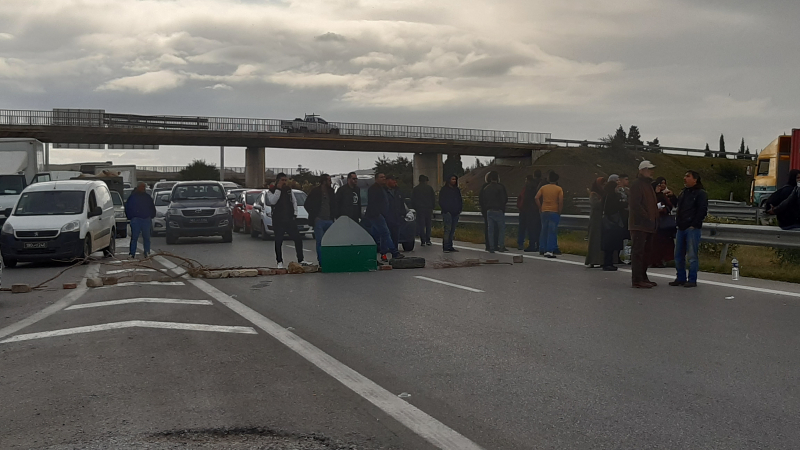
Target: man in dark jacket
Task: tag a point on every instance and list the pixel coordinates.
(374, 218)
(483, 211)
(140, 210)
(452, 203)
(395, 216)
(692, 209)
(423, 200)
(494, 199)
(533, 222)
(789, 215)
(348, 199)
(321, 207)
(642, 223)
(284, 218)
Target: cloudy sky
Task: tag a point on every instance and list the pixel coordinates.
(682, 70)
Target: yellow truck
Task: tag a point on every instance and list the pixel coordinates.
(772, 168)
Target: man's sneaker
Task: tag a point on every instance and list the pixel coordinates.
(306, 263)
(454, 250)
(398, 256)
(446, 250)
(678, 283)
(548, 254)
(429, 243)
(280, 265)
(503, 250)
(690, 284)
(611, 269)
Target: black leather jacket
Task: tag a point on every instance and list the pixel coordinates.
(692, 208)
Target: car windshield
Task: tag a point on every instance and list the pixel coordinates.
(116, 198)
(199, 192)
(127, 193)
(162, 198)
(763, 168)
(165, 185)
(301, 198)
(50, 203)
(251, 197)
(11, 184)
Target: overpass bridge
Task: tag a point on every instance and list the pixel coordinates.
(427, 143)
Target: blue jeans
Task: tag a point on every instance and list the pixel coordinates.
(320, 227)
(497, 229)
(548, 239)
(687, 243)
(140, 226)
(450, 221)
(379, 230)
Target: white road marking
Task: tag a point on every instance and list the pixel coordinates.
(292, 246)
(131, 324)
(67, 300)
(128, 301)
(651, 274)
(448, 284)
(412, 417)
(135, 269)
(144, 283)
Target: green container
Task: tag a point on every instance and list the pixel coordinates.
(347, 247)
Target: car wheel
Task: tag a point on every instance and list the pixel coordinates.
(87, 248)
(236, 228)
(227, 236)
(111, 250)
(408, 246)
(172, 238)
(10, 263)
(253, 232)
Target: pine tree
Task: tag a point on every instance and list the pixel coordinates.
(747, 150)
(634, 137)
(721, 153)
(708, 152)
(619, 139)
(654, 145)
(740, 153)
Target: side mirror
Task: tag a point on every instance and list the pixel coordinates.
(231, 197)
(7, 212)
(257, 208)
(97, 211)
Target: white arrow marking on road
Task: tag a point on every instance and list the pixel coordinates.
(449, 284)
(144, 283)
(128, 301)
(136, 269)
(131, 324)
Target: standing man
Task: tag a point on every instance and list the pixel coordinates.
(692, 209)
(531, 211)
(495, 199)
(140, 210)
(374, 218)
(423, 199)
(397, 209)
(321, 207)
(484, 210)
(550, 201)
(348, 199)
(642, 223)
(451, 202)
(284, 218)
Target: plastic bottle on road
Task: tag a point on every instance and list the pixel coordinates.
(735, 270)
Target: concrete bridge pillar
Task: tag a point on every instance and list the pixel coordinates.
(255, 162)
(430, 165)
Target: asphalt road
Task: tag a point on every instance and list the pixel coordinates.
(544, 354)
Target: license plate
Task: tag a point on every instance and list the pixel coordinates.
(35, 245)
(198, 220)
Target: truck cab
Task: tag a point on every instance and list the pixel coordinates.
(772, 167)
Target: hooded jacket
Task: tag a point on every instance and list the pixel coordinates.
(786, 216)
(423, 197)
(450, 199)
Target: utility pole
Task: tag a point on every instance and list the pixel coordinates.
(221, 163)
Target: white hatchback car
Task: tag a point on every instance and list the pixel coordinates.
(59, 220)
(161, 200)
(261, 216)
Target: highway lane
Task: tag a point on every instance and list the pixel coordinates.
(549, 355)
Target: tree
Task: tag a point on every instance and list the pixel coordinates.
(402, 168)
(453, 166)
(654, 145)
(304, 175)
(740, 154)
(634, 137)
(199, 170)
(747, 150)
(617, 140)
(708, 152)
(721, 153)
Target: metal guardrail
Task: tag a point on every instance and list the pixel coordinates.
(723, 233)
(655, 148)
(716, 208)
(99, 118)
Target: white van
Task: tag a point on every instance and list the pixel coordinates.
(59, 220)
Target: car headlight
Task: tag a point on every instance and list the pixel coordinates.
(159, 214)
(174, 212)
(223, 210)
(119, 214)
(7, 228)
(72, 226)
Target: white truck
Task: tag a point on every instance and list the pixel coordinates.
(21, 164)
(127, 172)
(312, 123)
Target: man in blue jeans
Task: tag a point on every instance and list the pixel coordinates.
(321, 208)
(494, 199)
(374, 221)
(451, 202)
(140, 210)
(692, 209)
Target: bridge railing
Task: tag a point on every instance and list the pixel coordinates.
(99, 118)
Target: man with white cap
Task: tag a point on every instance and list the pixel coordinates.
(642, 223)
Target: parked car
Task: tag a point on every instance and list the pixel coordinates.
(164, 184)
(236, 193)
(198, 208)
(59, 220)
(312, 123)
(230, 186)
(119, 215)
(261, 216)
(159, 223)
(242, 207)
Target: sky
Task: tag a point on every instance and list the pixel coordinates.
(684, 71)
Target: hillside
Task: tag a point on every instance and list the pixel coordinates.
(578, 167)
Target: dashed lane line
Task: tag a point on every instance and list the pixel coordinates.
(433, 280)
(412, 417)
(135, 269)
(131, 324)
(143, 283)
(128, 301)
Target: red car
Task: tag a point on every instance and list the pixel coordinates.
(241, 210)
